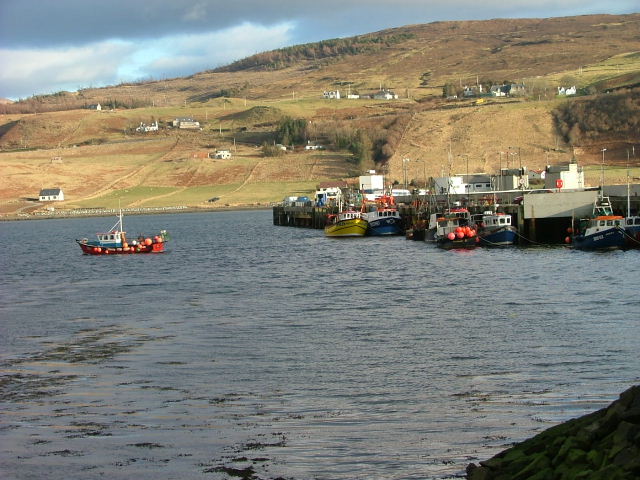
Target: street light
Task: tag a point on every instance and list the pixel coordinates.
(602, 173)
(404, 171)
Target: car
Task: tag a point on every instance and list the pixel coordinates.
(518, 200)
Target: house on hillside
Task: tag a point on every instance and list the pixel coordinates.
(472, 91)
(186, 123)
(332, 95)
(143, 128)
(96, 106)
(385, 94)
(51, 195)
(562, 91)
(222, 154)
(510, 90)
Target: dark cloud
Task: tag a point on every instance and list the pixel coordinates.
(48, 45)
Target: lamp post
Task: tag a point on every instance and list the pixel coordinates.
(404, 171)
(602, 174)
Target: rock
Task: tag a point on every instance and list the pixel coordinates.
(603, 445)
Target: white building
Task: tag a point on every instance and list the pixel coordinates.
(371, 185)
(143, 128)
(335, 94)
(51, 195)
(385, 95)
(569, 176)
(223, 154)
(567, 91)
(186, 123)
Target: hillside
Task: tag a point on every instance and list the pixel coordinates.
(103, 159)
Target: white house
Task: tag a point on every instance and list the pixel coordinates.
(186, 123)
(569, 176)
(385, 95)
(51, 195)
(567, 91)
(143, 128)
(335, 94)
(223, 154)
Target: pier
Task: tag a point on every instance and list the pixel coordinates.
(540, 219)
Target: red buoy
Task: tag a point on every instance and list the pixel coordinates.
(451, 236)
(567, 239)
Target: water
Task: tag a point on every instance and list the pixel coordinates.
(275, 352)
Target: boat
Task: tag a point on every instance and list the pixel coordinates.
(383, 217)
(495, 229)
(632, 231)
(115, 242)
(602, 231)
(452, 230)
(346, 223)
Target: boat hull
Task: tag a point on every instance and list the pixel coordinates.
(457, 243)
(385, 226)
(603, 240)
(498, 238)
(90, 248)
(353, 227)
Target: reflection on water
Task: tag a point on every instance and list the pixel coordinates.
(253, 350)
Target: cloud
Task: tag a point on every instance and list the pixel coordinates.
(31, 71)
(65, 44)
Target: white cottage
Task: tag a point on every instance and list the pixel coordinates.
(51, 195)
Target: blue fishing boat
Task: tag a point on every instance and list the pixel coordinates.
(495, 229)
(603, 231)
(383, 217)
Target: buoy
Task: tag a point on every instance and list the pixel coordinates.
(569, 230)
(458, 229)
(106, 251)
(460, 234)
(160, 239)
(567, 239)
(125, 245)
(451, 236)
(472, 233)
(97, 250)
(147, 241)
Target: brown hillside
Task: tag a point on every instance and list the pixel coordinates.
(105, 162)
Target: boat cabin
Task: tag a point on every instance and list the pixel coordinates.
(111, 239)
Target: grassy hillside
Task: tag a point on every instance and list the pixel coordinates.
(104, 161)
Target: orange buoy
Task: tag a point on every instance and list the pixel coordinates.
(460, 234)
(97, 249)
(569, 230)
(451, 236)
(567, 239)
(147, 241)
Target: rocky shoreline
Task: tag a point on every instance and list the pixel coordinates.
(603, 445)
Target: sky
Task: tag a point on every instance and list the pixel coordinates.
(51, 45)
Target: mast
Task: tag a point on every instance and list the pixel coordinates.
(628, 189)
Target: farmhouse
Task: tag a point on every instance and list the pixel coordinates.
(223, 154)
(385, 95)
(143, 128)
(332, 95)
(51, 195)
(186, 123)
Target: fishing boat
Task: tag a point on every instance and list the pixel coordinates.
(346, 223)
(603, 231)
(383, 217)
(632, 231)
(115, 242)
(452, 230)
(495, 229)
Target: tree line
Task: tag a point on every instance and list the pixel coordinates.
(284, 57)
(614, 115)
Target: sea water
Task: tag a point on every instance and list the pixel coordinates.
(251, 349)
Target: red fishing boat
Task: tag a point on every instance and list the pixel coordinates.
(115, 242)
